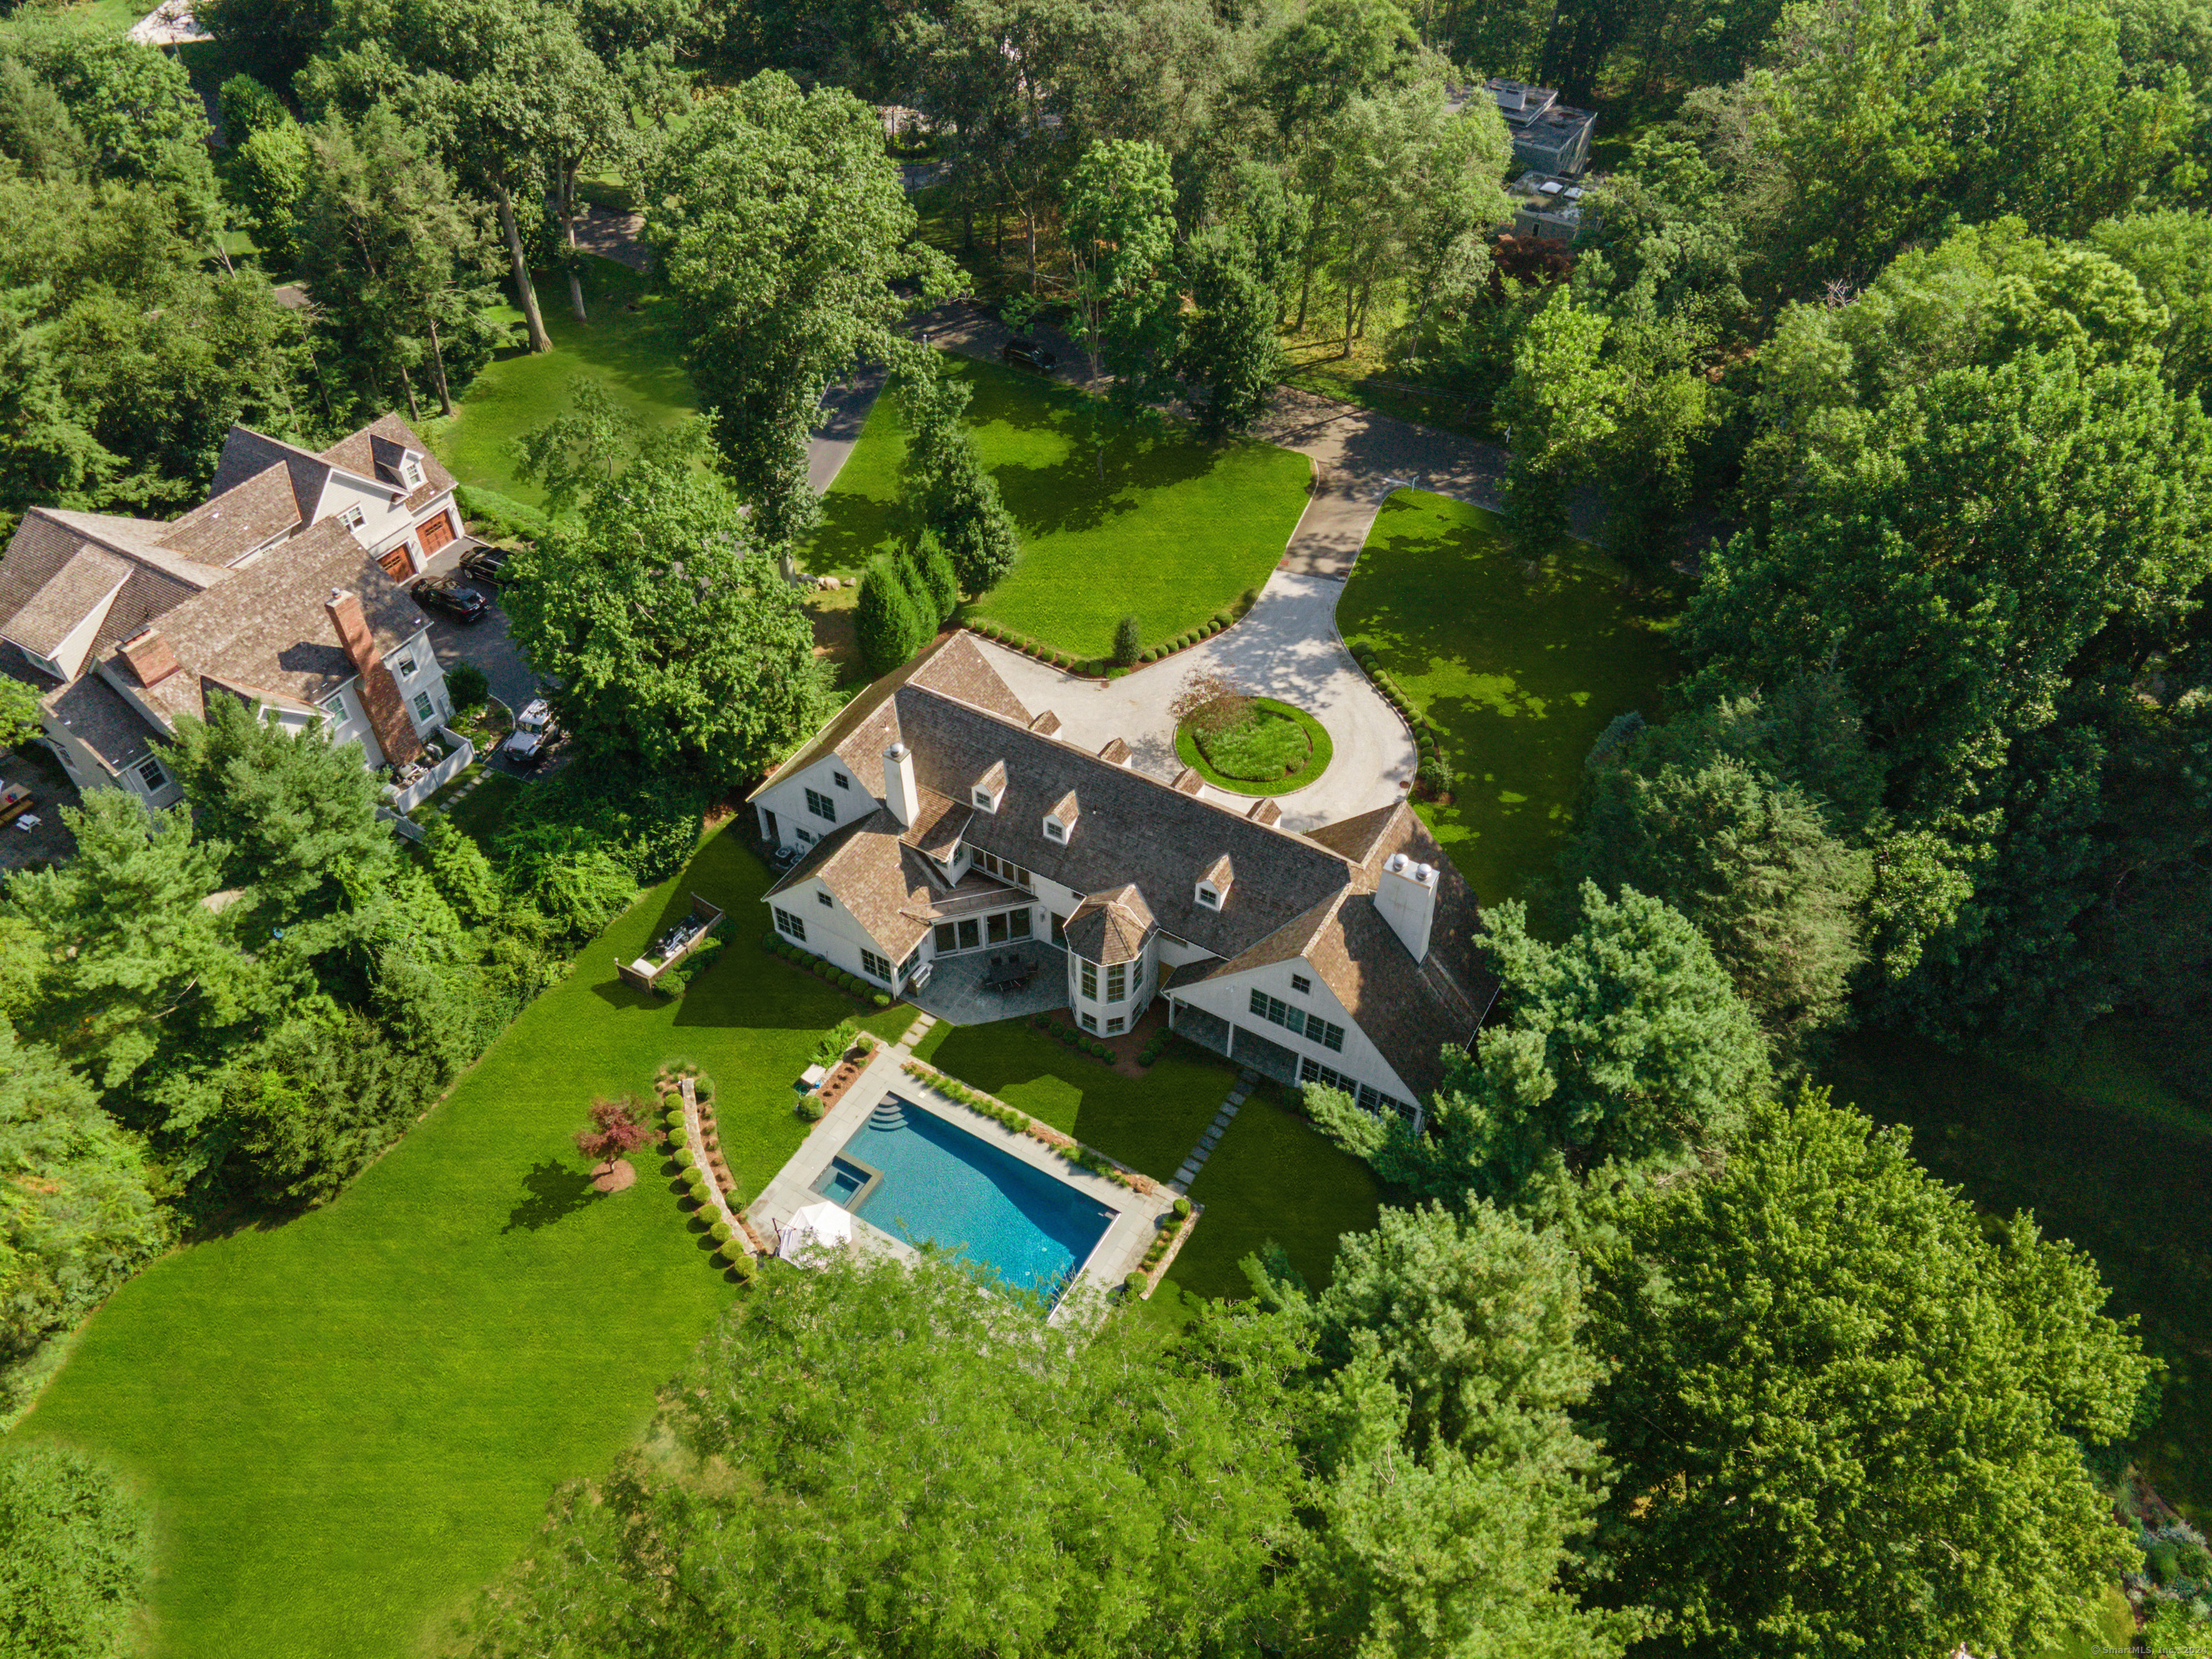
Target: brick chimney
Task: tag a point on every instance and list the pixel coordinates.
(379, 692)
(151, 657)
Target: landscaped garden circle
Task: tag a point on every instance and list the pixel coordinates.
(1272, 749)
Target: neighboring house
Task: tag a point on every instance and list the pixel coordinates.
(1547, 207)
(1548, 136)
(285, 588)
(939, 817)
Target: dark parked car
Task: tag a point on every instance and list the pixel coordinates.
(484, 564)
(449, 598)
(1028, 354)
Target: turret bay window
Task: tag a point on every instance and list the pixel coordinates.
(1312, 1027)
(1090, 981)
(1117, 982)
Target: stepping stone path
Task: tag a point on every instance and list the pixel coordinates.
(1214, 1131)
(915, 1032)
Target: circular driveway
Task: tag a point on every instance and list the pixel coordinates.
(1287, 647)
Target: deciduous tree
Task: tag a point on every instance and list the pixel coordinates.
(75, 1554)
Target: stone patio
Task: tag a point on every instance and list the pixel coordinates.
(956, 995)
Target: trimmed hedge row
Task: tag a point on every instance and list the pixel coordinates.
(1106, 667)
(1169, 1230)
(1435, 772)
(999, 1112)
(822, 967)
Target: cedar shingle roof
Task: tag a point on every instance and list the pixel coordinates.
(227, 527)
(63, 602)
(49, 537)
(1115, 753)
(1110, 927)
(1187, 782)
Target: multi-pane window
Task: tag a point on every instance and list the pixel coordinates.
(1089, 1022)
(821, 805)
(995, 928)
(423, 708)
(913, 961)
(1055, 830)
(1004, 869)
(1312, 1027)
(352, 518)
(334, 706)
(1301, 984)
(1117, 982)
(1090, 981)
(875, 966)
(787, 923)
(841, 779)
(151, 775)
(405, 662)
(1370, 1098)
(806, 837)
(964, 935)
(825, 900)
(1114, 1025)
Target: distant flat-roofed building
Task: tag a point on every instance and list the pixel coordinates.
(1548, 136)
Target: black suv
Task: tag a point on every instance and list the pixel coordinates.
(449, 598)
(484, 564)
(1028, 354)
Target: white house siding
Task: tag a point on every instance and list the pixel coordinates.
(1144, 984)
(429, 680)
(832, 931)
(787, 800)
(1229, 997)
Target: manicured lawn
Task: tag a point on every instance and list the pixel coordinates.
(627, 348)
(350, 1421)
(1250, 757)
(483, 813)
(1522, 665)
(1273, 1176)
(1151, 524)
(1150, 1123)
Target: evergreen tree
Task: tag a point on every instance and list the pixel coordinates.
(1230, 347)
(944, 487)
(75, 1554)
(936, 577)
(883, 619)
(80, 1216)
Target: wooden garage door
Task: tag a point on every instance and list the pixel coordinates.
(436, 532)
(396, 565)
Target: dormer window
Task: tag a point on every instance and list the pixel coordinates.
(411, 470)
(1213, 883)
(990, 789)
(1059, 818)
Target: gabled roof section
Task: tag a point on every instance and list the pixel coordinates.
(859, 732)
(993, 778)
(376, 451)
(938, 825)
(232, 525)
(1045, 724)
(1116, 752)
(88, 578)
(1220, 873)
(873, 876)
(49, 540)
(1357, 837)
(247, 454)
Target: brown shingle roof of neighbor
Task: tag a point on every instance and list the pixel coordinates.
(247, 454)
(63, 602)
(1110, 927)
(48, 539)
(229, 525)
(98, 717)
(267, 631)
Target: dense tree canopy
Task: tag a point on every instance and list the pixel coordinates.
(75, 1544)
(1845, 1415)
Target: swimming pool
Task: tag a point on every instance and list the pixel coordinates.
(921, 1180)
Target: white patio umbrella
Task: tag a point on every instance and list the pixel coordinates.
(815, 1226)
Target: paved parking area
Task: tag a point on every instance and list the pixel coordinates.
(488, 645)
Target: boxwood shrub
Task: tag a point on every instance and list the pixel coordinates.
(1134, 1284)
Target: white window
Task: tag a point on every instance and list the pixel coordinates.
(1209, 896)
(424, 711)
(1113, 1025)
(353, 518)
(1054, 830)
(1089, 1022)
(404, 664)
(806, 837)
(334, 706)
(412, 470)
(983, 800)
(874, 966)
(821, 805)
(151, 775)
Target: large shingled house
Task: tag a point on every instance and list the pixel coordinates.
(936, 816)
(283, 588)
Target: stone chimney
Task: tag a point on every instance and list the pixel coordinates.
(379, 692)
(1406, 897)
(151, 657)
(900, 794)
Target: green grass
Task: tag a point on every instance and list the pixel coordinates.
(484, 814)
(1149, 1123)
(1275, 1177)
(1177, 529)
(1249, 757)
(1521, 663)
(349, 1421)
(634, 354)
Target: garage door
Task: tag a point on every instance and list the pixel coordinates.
(436, 532)
(396, 565)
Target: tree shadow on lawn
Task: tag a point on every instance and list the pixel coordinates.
(555, 1191)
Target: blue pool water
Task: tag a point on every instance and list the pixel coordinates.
(943, 1185)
